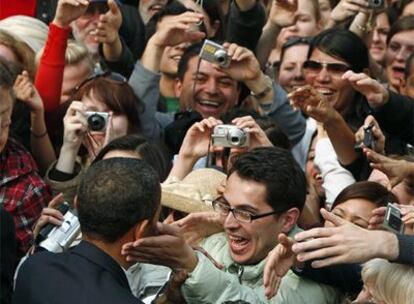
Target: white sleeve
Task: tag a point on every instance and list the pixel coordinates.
(335, 177)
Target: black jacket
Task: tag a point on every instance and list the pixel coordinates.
(85, 274)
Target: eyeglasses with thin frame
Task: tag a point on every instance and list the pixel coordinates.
(335, 69)
(221, 206)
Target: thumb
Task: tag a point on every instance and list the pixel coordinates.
(25, 74)
(329, 216)
(113, 7)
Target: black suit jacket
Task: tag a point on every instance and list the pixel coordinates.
(85, 274)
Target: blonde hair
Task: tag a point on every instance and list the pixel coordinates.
(389, 282)
(76, 53)
(24, 54)
(30, 30)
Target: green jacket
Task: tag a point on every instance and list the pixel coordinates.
(244, 284)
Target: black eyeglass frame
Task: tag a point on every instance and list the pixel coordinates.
(232, 210)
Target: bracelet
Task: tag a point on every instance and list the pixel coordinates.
(269, 87)
(38, 135)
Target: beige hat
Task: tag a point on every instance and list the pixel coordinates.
(194, 193)
(30, 30)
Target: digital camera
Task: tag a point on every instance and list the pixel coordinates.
(230, 136)
(392, 220)
(59, 238)
(369, 140)
(97, 121)
(376, 4)
(214, 53)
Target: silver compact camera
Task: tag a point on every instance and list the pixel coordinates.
(59, 238)
(97, 121)
(214, 53)
(230, 136)
(376, 3)
(392, 220)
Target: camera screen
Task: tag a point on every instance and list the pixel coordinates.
(395, 222)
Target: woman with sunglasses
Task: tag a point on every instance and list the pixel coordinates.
(331, 98)
(104, 107)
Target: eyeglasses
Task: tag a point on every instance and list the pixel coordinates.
(335, 69)
(115, 77)
(221, 206)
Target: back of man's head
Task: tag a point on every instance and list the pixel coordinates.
(114, 195)
(274, 167)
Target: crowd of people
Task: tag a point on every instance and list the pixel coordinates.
(208, 151)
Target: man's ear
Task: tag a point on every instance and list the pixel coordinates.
(142, 229)
(289, 219)
(178, 87)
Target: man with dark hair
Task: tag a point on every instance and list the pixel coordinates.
(118, 202)
(203, 87)
(264, 195)
(22, 191)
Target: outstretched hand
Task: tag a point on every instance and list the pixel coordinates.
(278, 263)
(345, 242)
(396, 170)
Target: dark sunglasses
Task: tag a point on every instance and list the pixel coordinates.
(332, 68)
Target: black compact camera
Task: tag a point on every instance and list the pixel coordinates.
(375, 4)
(392, 220)
(214, 53)
(97, 121)
(369, 140)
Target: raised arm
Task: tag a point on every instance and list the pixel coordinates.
(49, 75)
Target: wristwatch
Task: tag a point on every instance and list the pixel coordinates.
(267, 89)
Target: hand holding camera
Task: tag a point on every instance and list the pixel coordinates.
(75, 126)
(370, 136)
(197, 138)
(239, 62)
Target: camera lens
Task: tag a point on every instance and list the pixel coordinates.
(237, 137)
(96, 122)
(221, 57)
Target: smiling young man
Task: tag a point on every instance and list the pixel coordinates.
(264, 194)
(205, 88)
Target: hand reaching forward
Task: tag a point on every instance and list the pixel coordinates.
(168, 249)
(278, 263)
(396, 170)
(343, 243)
